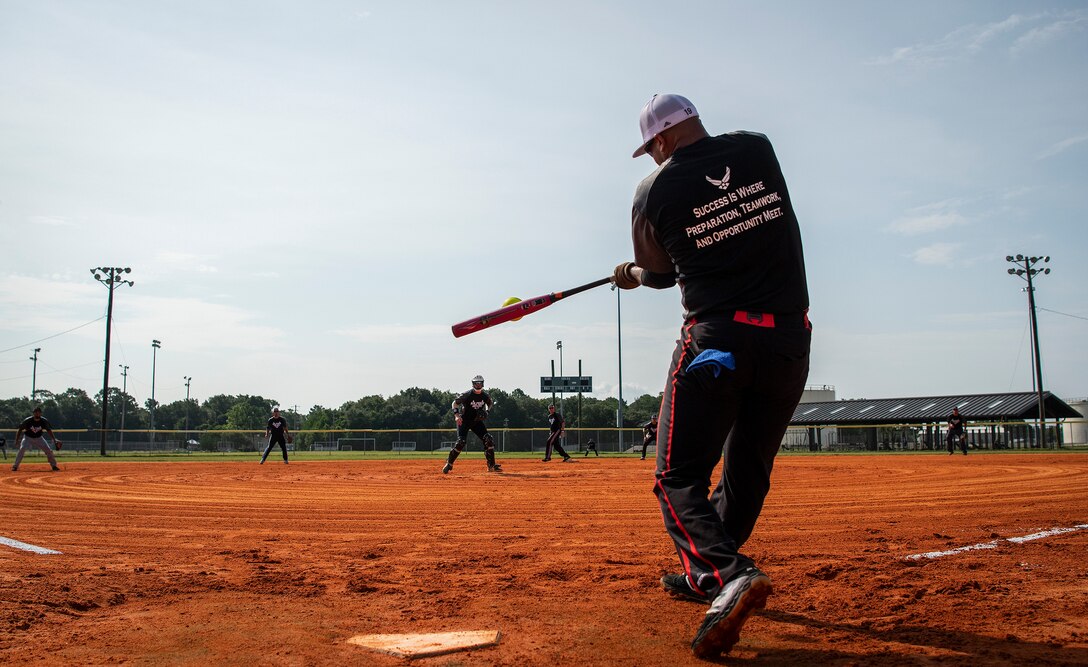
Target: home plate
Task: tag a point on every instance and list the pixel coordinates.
(422, 645)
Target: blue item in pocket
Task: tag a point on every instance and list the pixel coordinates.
(715, 359)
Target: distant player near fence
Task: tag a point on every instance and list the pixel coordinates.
(956, 435)
(277, 433)
(34, 428)
(649, 435)
(555, 436)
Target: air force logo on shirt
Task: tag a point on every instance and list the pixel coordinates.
(722, 184)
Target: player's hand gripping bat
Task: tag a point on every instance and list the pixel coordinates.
(520, 309)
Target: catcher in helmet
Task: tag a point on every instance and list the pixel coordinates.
(470, 411)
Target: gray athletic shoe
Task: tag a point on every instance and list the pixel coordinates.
(741, 595)
(678, 587)
(495, 468)
(447, 468)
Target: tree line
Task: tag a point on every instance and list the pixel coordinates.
(412, 408)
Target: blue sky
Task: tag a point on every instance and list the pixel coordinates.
(310, 193)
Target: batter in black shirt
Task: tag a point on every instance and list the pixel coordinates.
(716, 218)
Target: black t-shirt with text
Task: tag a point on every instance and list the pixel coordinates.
(276, 425)
(34, 428)
(956, 422)
(473, 405)
(720, 211)
(555, 421)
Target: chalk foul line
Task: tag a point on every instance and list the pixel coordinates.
(26, 547)
(993, 544)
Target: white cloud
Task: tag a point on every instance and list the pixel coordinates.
(1062, 146)
(926, 223)
(937, 253)
(1056, 29)
(956, 45)
(1025, 32)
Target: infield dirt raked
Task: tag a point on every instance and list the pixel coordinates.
(232, 563)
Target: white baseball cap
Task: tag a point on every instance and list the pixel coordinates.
(661, 113)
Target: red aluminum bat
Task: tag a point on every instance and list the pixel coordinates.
(519, 309)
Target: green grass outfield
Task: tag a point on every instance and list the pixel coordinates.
(274, 456)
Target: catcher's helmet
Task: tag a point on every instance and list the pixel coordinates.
(478, 380)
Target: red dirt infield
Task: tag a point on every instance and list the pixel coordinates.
(184, 563)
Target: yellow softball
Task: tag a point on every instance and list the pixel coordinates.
(511, 301)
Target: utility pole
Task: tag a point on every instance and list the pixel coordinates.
(1027, 273)
(110, 276)
(34, 375)
(124, 401)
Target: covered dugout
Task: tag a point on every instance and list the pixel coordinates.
(995, 421)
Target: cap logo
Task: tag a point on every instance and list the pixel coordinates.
(723, 183)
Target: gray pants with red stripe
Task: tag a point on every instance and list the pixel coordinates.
(740, 415)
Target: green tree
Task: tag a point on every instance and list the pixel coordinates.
(642, 408)
(135, 416)
(363, 413)
(73, 408)
(403, 411)
(251, 412)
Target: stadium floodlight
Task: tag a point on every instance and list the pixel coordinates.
(110, 277)
(155, 345)
(1027, 273)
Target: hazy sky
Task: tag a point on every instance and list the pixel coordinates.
(310, 193)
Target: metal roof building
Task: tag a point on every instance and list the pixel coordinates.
(931, 409)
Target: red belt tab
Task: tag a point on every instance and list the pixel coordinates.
(755, 319)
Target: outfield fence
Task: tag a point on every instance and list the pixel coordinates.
(890, 437)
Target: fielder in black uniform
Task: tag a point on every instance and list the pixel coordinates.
(649, 434)
(956, 424)
(470, 411)
(33, 430)
(555, 423)
(276, 431)
(716, 218)
(592, 444)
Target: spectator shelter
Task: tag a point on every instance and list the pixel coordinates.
(995, 421)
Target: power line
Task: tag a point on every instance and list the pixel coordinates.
(1061, 313)
(35, 342)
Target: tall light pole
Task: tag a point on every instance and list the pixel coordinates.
(124, 400)
(1027, 273)
(34, 375)
(155, 345)
(188, 379)
(559, 346)
(110, 276)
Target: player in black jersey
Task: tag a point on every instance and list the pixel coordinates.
(32, 432)
(715, 217)
(277, 433)
(649, 435)
(555, 426)
(470, 411)
(956, 423)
